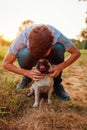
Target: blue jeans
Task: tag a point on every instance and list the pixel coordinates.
(56, 56)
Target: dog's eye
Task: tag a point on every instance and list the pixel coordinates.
(45, 62)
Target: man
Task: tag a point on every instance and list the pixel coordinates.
(41, 41)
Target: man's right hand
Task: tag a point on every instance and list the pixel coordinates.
(34, 74)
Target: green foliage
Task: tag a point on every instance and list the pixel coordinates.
(3, 50)
(11, 101)
(4, 42)
(3, 111)
(80, 44)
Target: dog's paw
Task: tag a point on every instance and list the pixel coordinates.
(29, 94)
(49, 101)
(35, 105)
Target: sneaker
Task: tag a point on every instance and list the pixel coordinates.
(61, 93)
(19, 86)
(24, 82)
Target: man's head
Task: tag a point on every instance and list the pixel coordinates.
(40, 41)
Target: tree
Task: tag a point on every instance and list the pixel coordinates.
(24, 24)
(83, 33)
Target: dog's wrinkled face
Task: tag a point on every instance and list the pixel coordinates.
(43, 65)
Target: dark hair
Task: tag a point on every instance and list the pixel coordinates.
(40, 40)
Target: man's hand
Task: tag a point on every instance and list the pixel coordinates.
(35, 74)
(54, 71)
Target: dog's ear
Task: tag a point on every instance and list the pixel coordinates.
(34, 68)
(48, 62)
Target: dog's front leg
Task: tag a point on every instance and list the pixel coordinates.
(36, 103)
(31, 92)
(49, 96)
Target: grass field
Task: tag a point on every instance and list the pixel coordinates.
(16, 112)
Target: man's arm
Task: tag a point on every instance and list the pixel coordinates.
(74, 55)
(8, 63)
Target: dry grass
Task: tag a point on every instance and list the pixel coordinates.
(17, 112)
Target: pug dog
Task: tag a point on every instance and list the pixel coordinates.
(44, 85)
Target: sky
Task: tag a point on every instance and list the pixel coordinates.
(68, 16)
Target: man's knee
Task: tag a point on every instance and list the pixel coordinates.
(24, 57)
(59, 48)
(24, 53)
(58, 53)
